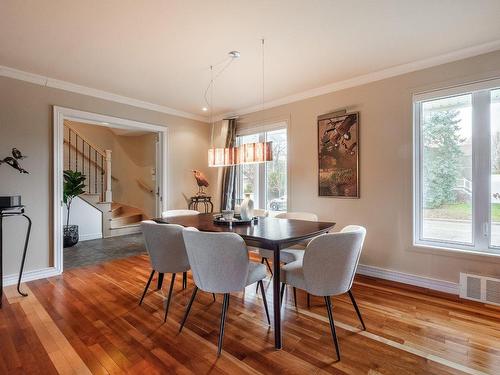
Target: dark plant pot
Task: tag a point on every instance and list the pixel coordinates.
(70, 235)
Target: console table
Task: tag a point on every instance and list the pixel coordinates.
(201, 199)
(8, 212)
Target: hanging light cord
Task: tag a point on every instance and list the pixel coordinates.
(262, 75)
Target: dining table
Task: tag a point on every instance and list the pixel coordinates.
(264, 232)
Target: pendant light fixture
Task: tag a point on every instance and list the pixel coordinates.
(248, 153)
(219, 156)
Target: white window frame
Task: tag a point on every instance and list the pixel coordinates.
(481, 167)
(256, 129)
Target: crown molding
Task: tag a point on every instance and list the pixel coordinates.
(372, 77)
(6, 71)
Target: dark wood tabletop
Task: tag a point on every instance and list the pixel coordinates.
(266, 232)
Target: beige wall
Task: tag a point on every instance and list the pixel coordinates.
(26, 123)
(385, 206)
(132, 158)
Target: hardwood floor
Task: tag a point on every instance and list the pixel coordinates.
(88, 321)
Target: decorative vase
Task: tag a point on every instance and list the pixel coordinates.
(70, 235)
(246, 209)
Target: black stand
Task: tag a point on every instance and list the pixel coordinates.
(6, 212)
(205, 200)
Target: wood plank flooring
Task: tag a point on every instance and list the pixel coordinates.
(88, 321)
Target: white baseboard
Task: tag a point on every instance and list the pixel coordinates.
(381, 273)
(91, 236)
(421, 281)
(31, 275)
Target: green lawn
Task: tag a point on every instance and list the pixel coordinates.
(459, 211)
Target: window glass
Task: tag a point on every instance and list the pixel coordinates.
(265, 182)
(446, 169)
(495, 168)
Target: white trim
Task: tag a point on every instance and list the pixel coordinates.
(59, 115)
(405, 278)
(372, 77)
(326, 89)
(90, 236)
(37, 79)
(31, 275)
(261, 127)
(456, 90)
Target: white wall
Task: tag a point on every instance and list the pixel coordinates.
(87, 217)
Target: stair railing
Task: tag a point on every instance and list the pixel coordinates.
(89, 159)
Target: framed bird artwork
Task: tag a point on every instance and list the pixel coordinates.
(13, 160)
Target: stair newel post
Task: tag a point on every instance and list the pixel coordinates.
(109, 195)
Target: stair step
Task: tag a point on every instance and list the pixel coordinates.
(132, 228)
(126, 218)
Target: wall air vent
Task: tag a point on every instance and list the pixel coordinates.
(480, 288)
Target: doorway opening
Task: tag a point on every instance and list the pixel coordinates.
(111, 174)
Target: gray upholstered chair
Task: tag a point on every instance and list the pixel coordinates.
(328, 269)
(173, 213)
(165, 246)
(293, 253)
(220, 264)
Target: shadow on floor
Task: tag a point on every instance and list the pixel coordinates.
(91, 252)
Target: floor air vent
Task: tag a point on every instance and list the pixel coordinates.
(480, 288)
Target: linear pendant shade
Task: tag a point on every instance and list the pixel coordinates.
(245, 154)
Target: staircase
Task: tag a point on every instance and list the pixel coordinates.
(81, 155)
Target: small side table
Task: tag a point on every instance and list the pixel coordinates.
(7, 212)
(201, 199)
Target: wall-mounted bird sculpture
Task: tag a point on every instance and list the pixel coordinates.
(202, 182)
(13, 160)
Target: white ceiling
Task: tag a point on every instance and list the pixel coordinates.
(159, 51)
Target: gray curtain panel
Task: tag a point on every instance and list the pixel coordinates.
(228, 197)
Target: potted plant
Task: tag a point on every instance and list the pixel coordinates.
(74, 183)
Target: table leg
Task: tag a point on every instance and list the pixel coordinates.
(26, 241)
(1, 272)
(276, 299)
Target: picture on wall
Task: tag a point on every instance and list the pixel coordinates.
(338, 155)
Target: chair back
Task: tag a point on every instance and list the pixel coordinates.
(165, 246)
(258, 212)
(173, 213)
(330, 261)
(219, 261)
(298, 216)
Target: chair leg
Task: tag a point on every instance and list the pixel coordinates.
(167, 305)
(147, 286)
(188, 308)
(328, 302)
(184, 280)
(268, 266)
(225, 305)
(160, 280)
(295, 296)
(357, 310)
(308, 300)
(282, 292)
(261, 284)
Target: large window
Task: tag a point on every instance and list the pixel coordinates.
(265, 182)
(457, 168)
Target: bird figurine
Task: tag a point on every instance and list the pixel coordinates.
(202, 182)
(13, 160)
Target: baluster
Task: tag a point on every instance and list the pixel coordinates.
(102, 178)
(69, 148)
(95, 172)
(76, 152)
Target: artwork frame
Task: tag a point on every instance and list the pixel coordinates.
(338, 155)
